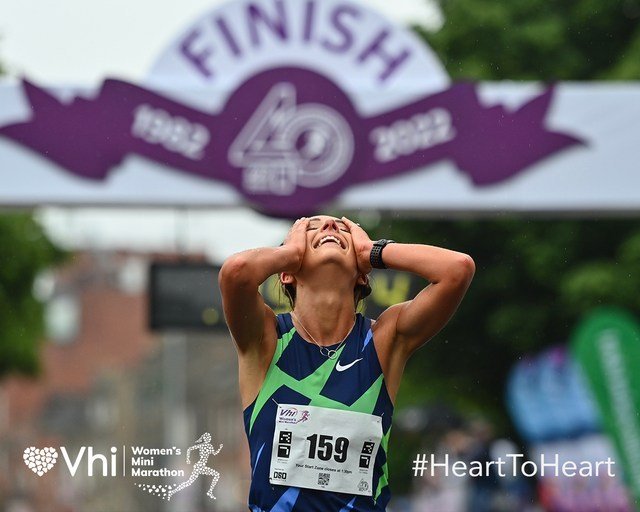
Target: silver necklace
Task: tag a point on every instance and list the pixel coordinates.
(329, 353)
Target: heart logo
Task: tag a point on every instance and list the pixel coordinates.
(40, 460)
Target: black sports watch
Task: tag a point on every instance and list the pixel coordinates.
(375, 258)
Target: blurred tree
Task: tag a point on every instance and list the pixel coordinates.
(534, 279)
(538, 40)
(25, 252)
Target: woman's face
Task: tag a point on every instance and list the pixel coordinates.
(328, 239)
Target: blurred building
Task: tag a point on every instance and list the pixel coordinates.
(107, 381)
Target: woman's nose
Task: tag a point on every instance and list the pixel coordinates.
(330, 224)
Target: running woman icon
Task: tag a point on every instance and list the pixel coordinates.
(203, 445)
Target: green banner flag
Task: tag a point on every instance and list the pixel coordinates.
(607, 346)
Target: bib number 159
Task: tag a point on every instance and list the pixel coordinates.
(324, 447)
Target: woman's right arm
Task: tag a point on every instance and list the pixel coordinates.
(245, 312)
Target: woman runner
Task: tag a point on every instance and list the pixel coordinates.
(318, 384)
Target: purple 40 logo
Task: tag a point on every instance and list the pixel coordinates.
(285, 145)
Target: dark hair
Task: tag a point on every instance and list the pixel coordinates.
(360, 292)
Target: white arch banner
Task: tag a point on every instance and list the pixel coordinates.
(290, 106)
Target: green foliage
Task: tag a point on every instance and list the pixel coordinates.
(533, 280)
(539, 40)
(26, 251)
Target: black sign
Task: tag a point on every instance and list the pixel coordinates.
(184, 296)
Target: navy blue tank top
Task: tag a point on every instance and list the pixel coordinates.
(298, 375)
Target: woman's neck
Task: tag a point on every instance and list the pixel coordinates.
(327, 315)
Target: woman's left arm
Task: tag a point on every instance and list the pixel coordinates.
(448, 272)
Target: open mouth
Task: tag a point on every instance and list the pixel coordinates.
(330, 239)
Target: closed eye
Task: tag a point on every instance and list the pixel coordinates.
(341, 227)
(310, 228)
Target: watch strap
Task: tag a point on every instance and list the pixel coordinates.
(375, 258)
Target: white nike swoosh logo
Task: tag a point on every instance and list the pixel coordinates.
(341, 368)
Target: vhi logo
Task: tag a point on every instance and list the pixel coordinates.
(292, 415)
(41, 460)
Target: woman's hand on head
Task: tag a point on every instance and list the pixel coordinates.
(296, 242)
(362, 245)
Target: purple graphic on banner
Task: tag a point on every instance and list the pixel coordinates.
(288, 139)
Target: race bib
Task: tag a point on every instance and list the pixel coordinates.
(325, 449)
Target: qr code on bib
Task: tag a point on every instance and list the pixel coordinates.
(323, 478)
